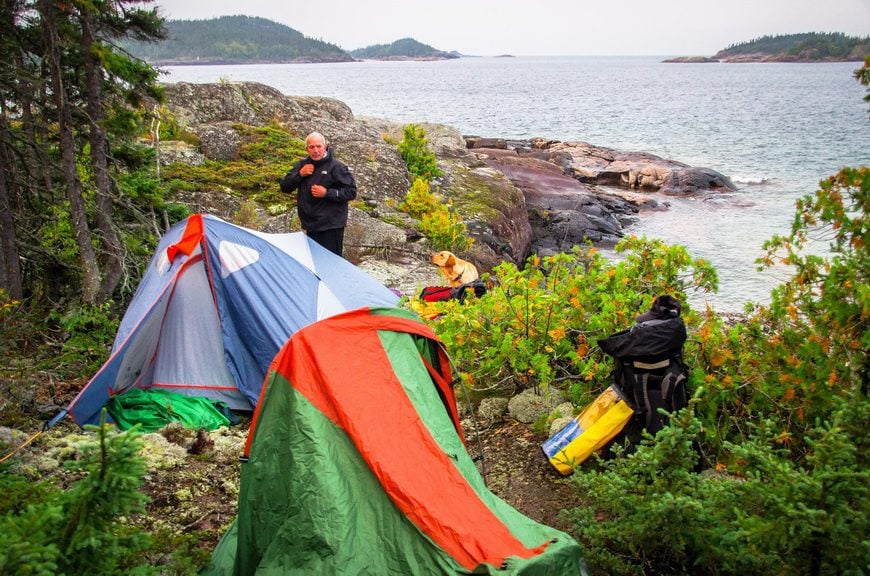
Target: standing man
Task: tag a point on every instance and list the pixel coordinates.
(325, 187)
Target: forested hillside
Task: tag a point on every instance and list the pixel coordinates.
(235, 39)
(812, 46)
(406, 48)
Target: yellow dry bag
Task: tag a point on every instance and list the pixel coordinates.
(596, 425)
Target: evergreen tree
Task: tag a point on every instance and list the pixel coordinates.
(67, 92)
(414, 149)
(44, 531)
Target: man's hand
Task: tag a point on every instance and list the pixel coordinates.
(317, 190)
(306, 170)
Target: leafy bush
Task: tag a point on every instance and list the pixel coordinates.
(438, 222)
(443, 227)
(797, 359)
(419, 200)
(538, 326)
(781, 408)
(87, 335)
(446, 231)
(779, 411)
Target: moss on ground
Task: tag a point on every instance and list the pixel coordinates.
(265, 155)
(481, 195)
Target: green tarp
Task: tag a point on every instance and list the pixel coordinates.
(153, 409)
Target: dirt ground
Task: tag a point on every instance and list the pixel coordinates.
(199, 494)
(192, 482)
(516, 470)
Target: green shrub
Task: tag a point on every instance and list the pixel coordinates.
(446, 231)
(443, 227)
(779, 412)
(419, 200)
(414, 149)
(90, 528)
(795, 360)
(87, 335)
(247, 216)
(538, 326)
(781, 409)
(26, 545)
(649, 513)
(83, 530)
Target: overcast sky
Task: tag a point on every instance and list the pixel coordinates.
(558, 27)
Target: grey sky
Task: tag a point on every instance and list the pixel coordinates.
(560, 27)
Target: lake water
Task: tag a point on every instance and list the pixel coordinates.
(774, 129)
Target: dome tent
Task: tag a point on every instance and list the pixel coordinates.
(216, 303)
(355, 464)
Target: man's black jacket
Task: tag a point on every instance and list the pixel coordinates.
(329, 212)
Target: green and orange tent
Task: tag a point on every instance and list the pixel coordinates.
(356, 464)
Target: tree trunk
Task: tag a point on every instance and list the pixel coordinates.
(87, 257)
(10, 267)
(36, 162)
(112, 263)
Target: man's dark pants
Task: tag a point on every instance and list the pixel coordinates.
(332, 240)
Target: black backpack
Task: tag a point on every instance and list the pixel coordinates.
(475, 289)
(649, 373)
(440, 293)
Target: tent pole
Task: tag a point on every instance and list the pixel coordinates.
(480, 456)
(57, 418)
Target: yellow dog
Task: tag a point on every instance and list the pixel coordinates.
(455, 269)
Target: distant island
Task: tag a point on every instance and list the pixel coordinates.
(235, 40)
(404, 49)
(253, 40)
(809, 47)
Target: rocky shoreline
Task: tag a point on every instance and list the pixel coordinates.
(757, 58)
(198, 61)
(517, 197)
(577, 192)
(209, 61)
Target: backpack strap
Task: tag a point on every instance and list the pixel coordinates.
(627, 381)
(654, 366)
(643, 389)
(672, 379)
(635, 378)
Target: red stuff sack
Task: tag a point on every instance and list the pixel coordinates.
(436, 293)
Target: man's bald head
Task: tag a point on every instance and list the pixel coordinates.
(315, 144)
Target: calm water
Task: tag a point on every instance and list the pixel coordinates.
(774, 129)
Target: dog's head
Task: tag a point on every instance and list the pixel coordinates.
(444, 259)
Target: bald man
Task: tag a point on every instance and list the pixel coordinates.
(325, 187)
